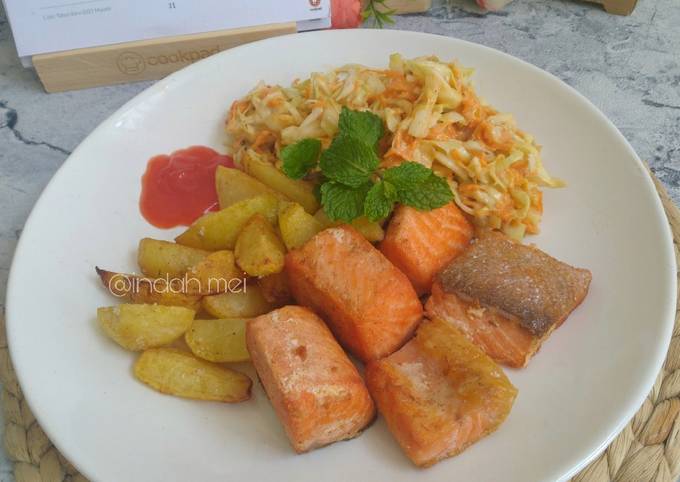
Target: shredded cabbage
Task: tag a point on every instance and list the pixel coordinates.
(432, 116)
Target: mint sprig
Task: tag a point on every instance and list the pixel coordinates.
(434, 192)
(407, 175)
(352, 184)
(364, 126)
(343, 202)
(418, 187)
(301, 157)
(379, 201)
(349, 161)
(411, 184)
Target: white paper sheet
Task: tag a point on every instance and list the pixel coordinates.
(41, 26)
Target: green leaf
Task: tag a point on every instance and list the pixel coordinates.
(299, 158)
(349, 161)
(342, 202)
(380, 15)
(407, 175)
(390, 191)
(364, 126)
(385, 18)
(431, 193)
(379, 202)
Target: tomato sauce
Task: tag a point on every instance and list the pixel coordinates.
(180, 187)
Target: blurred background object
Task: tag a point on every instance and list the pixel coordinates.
(104, 47)
(618, 7)
(492, 5)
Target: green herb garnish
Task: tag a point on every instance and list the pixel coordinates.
(341, 202)
(380, 200)
(353, 185)
(364, 126)
(418, 186)
(349, 161)
(300, 158)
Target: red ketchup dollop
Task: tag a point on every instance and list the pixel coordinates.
(178, 188)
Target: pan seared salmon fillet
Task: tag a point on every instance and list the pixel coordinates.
(367, 302)
(501, 337)
(421, 243)
(315, 389)
(439, 393)
(518, 280)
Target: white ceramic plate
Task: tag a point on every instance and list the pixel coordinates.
(583, 386)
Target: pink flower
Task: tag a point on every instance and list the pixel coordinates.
(345, 13)
(492, 5)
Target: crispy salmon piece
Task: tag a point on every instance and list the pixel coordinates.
(439, 393)
(315, 389)
(368, 303)
(421, 243)
(502, 338)
(518, 280)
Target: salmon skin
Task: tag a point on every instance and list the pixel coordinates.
(315, 389)
(501, 337)
(439, 393)
(519, 281)
(421, 243)
(367, 302)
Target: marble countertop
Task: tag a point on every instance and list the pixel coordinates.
(629, 67)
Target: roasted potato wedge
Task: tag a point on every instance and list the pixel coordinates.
(214, 274)
(259, 251)
(219, 230)
(138, 327)
(234, 185)
(297, 225)
(179, 373)
(275, 289)
(244, 304)
(158, 258)
(138, 289)
(371, 230)
(221, 340)
(302, 192)
(179, 344)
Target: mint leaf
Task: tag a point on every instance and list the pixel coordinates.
(364, 126)
(430, 193)
(407, 175)
(342, 202)
(390, 191)
(418, 186)
(379, 201)
(299, 158)
(349, 161)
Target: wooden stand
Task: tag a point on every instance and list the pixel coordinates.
(141, 60)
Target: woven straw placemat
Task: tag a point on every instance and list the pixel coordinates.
(648, 449)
